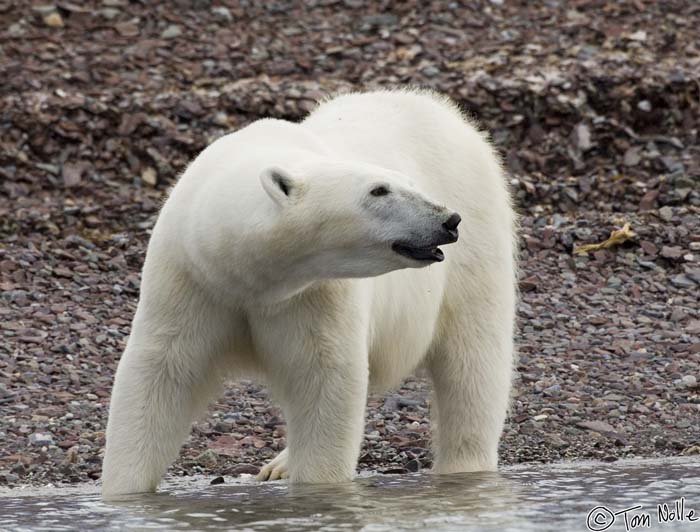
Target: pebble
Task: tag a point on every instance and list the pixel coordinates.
(413, 465)
(689, 381)
(222, 119)
(110, 13)
(632, 157)
(207, 458)
(53, 20)
(666, 213)
(678, 314)
(552, 391)
(243, 469)
(597, 426)
(682, 281)
(372, 436)
(172, 31)
(385, 19)
(557, 441)
(614, 282)
(222, 13)
(149, 176)
(223, 427)
(16, 29)
(693, 273)
(44, 9)
(41, 439)
(671, 252)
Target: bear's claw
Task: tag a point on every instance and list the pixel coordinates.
(275, 469)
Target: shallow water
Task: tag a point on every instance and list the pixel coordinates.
(555, 497)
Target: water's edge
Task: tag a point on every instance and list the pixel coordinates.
(558, 496)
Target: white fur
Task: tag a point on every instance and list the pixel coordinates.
(272, 259)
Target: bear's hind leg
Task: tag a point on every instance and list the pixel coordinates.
(318, 370)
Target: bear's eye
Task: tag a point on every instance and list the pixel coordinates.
(381, 190)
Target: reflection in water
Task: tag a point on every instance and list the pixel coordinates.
(374, 503)
(557, 497)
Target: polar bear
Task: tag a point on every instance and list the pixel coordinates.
(308, 255)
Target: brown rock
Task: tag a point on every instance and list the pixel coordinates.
(243, 469)
(597, 426)
(649, 248)
(648, 201)
(127, 29)
(671, 252)
(72, 174)
(529, 283)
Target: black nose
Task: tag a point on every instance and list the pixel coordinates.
(452, 222)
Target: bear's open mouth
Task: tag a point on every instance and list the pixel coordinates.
(431, 253)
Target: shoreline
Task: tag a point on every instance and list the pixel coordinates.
(171, 484)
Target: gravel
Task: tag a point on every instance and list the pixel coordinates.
(594, 108)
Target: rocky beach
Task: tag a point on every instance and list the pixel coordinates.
(594, 106)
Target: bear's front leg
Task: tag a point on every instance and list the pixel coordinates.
(169, 371)
(471, 369)
(317, 366)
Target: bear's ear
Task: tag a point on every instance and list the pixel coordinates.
(278, 184)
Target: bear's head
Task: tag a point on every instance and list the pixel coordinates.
(346, 219)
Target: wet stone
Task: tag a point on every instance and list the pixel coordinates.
(243, 469)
